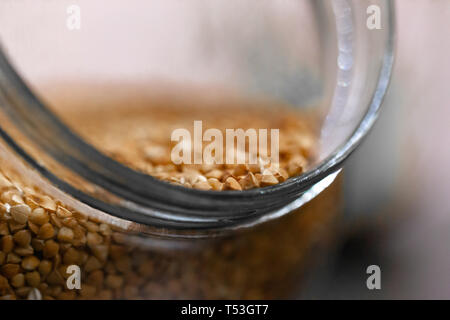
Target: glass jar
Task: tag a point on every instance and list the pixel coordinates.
(134, 236)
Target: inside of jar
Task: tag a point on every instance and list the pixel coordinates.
(134, 87)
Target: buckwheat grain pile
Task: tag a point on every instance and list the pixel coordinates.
(40, 238)
(140, 137)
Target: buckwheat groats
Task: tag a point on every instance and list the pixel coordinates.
(40, 237)
(138, 134)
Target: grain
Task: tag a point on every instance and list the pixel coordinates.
(100, 251)
(24, 251)
(215, 174)
(34, 294)
(71, 256)
(268, 179)
(4, 285)
(15, 226)
(51, 249)
(39, 216)
(9, 270)
(20, 213)
(12, 197)
(232, 184)
(296, 166)
(22, 238)
(37, 244)
(249, 181)
(65, 234)
(55, 278)
(13, 258)
(33, 278)
(113, 281)
(30, 263)
(47, 203)
(92, 264)
(202, 185)
(4, 230)
(46, 231)
(33, 227)
(88, 291)
(45, 267)
(7, 244)
(18, 280)
(216, 184)
(240, 170)
(105, 230)
(62, 212)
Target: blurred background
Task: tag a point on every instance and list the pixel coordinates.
(397, 184)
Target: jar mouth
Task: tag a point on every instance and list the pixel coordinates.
(152, 202)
